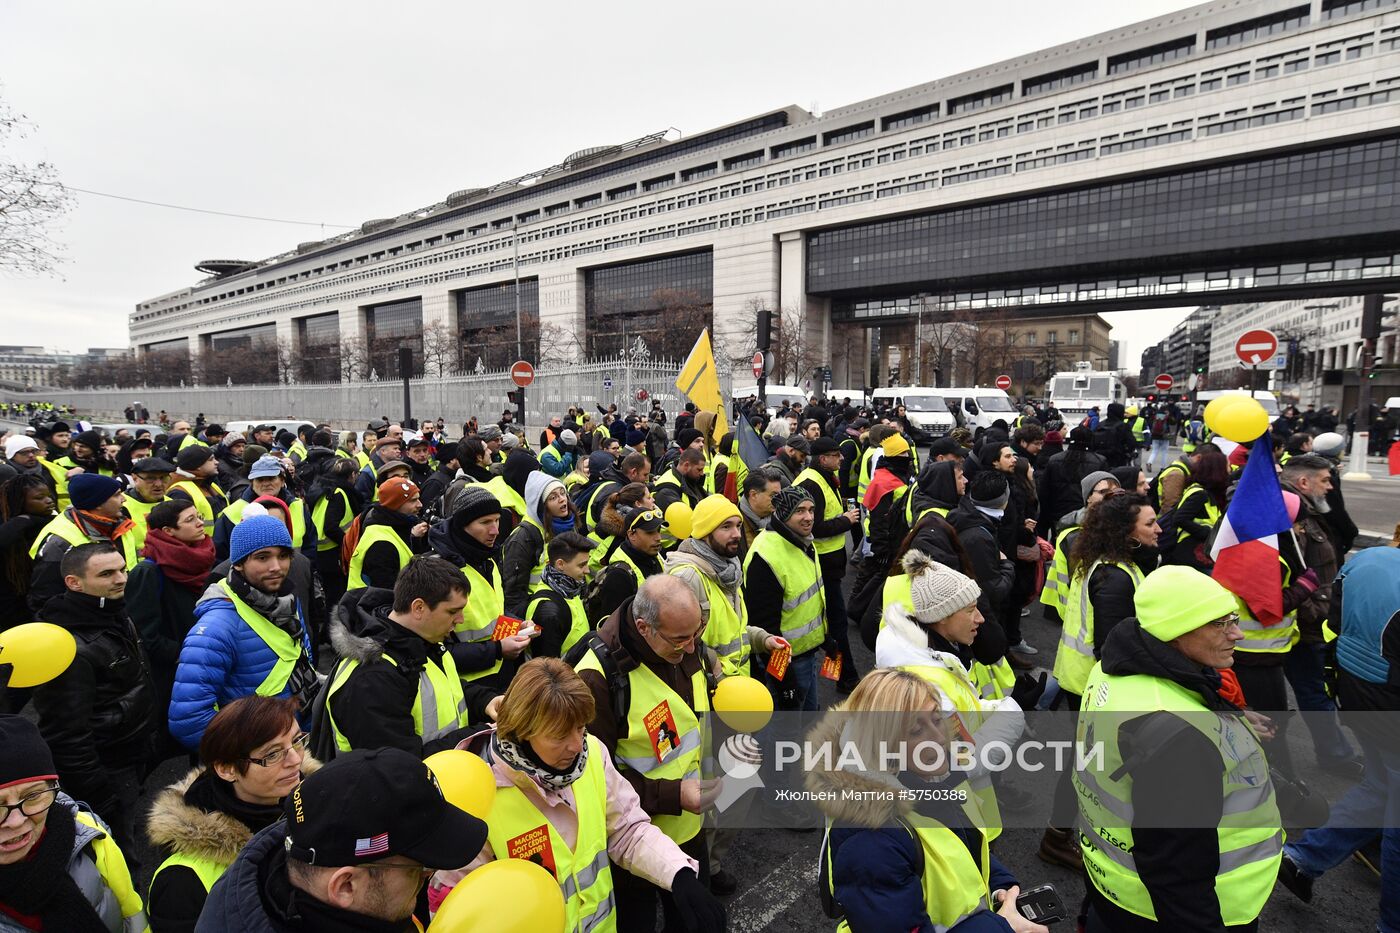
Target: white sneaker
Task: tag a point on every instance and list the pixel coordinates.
(1022, 648)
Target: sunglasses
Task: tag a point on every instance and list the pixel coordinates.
(647, 516)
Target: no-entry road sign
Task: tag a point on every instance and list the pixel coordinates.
(758, 366)
(1163, 382)
(1256, 346)
(1003, 382)
(522, 373)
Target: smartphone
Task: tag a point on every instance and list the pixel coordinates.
(1041, 905)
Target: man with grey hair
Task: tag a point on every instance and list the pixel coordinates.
(1309, 476)
(651, 727)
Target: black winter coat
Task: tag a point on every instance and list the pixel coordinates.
(101, 712)
(978, 533)
(1058, 485)
(381, 564)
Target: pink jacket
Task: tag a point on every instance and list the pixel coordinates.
(633, 841)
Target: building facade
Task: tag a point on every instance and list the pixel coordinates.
(39, 367)
(1230, 124)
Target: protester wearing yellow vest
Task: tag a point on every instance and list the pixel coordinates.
(49, 833)
(834, 523)
(266, 478)
(249, 636)
(1179, 824)
(684, 482)
(391, 533)
(194, 480)
(783, 593)
(251, 756)
(548, 511)
(561, 803)
(357, 840)
(556, 602)
(886, 865)
(96, 515)
(150, 477)
(935, 642)
(655, 642)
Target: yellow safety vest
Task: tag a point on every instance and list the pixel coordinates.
(1212, 510)
(1278, 638)
(206, 869)
(726, 628)
(1251, 835)
(371, 536)
(116, 875)
(803, 619)
(981, 806)
(438, 708)
(190, 440)
(318, 519)
(663, 740)
(60, 482)
(518, 829)
(1176, 466)
(297, 451)
(139, 512)
(295, 509)
(509, 498)
(486, 603)
(1055, 593)
(599, 553)
(362, 459)
(620, 556)
(672, 478)
(202, 505)
(64, 527)
(831, 508)
(578, 627)
(1074, 658)
(287, 648)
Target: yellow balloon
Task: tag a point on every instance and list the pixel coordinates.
(1218, 407)
(467, 781)
(509, 895)
(743, 703)
(1243, 421)
(678, 520)
(39, 651)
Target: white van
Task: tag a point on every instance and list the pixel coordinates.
(775, 395)
(928, 412)
(978, 407)
(1266, 399)
(245, 427)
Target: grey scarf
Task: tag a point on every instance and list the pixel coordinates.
(760, 523)
(727, 570)
(279, 610)
(523, 758)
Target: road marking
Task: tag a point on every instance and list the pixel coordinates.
(761, 904)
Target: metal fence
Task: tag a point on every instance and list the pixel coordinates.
(350, 405)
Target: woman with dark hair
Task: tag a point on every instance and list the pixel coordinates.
(26, 506)
(1200, 508)
(1113, 551)
(1059, 491)
(135, 449)
(608, 531)
(252, 755)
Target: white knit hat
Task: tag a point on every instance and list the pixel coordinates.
(937, 591)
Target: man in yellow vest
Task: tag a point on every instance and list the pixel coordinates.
(783, 592)
(1179, 824)
(358, 839)
(634, 560)
(95, 515)
(267, 478)
(396, 685)
(832, 525)
(249, 637)
(150, 478)
(654, 642)
(390, 534)
(194, 479)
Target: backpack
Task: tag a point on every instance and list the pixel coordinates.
(350, 541)
(619, 684)
(1105, 442)
(1159, 425)
(595, 605)
(450, 494)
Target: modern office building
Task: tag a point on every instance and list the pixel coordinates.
(1233, 150)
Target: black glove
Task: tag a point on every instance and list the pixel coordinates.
(830, 648)
(701, 910)
(1028, 690)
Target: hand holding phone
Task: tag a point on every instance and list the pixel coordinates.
(1027, 913)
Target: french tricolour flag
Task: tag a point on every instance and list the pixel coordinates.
(1246, 545)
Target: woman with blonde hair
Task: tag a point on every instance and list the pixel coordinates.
(561, 803)
(889, 861)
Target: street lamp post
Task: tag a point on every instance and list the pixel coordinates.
(918, 343)
(515, 246)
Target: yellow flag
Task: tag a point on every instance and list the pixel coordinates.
(699, 382)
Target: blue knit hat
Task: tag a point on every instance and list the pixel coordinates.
(255, 533)
(89, 490)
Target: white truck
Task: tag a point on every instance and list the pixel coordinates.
(979, 407)
(1074, 393)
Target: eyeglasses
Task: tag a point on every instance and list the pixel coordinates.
(272, 758)
(682, 643)
(32, 804)
(422, 871)
(1224, 622)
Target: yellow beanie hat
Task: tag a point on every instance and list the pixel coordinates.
(895, 446)
(709, 514)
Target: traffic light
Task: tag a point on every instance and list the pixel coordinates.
(1200, 369)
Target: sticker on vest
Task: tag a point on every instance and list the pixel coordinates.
(1101, 694)
(506, 627)
(533, 846)
(778, 663)
(661, 728)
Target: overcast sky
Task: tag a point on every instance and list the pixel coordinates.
(340, 112)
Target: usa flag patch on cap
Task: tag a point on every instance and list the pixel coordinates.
(374, 845)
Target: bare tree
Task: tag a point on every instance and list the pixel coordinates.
(353, 357)
(288, 362)
(559, 344)
(796, 348)
(32, 200)
(439, 350)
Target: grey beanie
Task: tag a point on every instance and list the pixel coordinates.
(489, 433)
(1087, 484)
(937, 591)
(509, 441)
(786, 501)
(474, 501)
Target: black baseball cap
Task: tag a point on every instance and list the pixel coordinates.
(645, 519)
(366, 806)
(419, 442)
(946, 445)
(193, 457)
(152, 465)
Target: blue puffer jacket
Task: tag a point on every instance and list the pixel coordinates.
(221, 660)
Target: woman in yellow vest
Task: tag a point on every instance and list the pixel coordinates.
(562, 804)
(887, 862)
(934, 640)
(1200, 508)
(59, 868)
(251, 756)
(548, 511)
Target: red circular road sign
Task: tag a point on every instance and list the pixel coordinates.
(1163, 382)
(641, 395)
(1003, 382)
(1256, 346)
(758, 365)
(522, 373)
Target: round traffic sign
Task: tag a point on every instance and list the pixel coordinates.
(522, 373)
(1163, 382)
(1003, 382)
(758, 365)
(641, 395)
(1256, 346)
